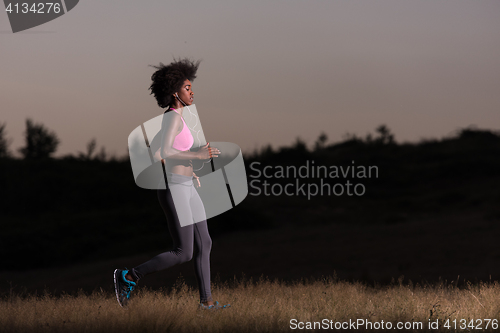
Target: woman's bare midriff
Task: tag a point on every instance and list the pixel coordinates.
(180, 167)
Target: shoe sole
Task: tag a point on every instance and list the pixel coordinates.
(116, 287)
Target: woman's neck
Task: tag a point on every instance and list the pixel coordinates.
(177, 105)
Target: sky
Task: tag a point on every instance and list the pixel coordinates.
(271, 71)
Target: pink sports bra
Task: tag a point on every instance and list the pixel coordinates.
(184, 140)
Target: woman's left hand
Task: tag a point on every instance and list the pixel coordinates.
(196, 180)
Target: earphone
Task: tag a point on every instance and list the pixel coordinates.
(192, 129)
(180, 100)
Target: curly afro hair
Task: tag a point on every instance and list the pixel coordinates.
(168, 80)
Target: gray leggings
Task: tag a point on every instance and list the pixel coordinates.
(193, 238)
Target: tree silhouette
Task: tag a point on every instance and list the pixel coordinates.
(40, 143)
(320, 142)
(300, 145)
(4, 143)
(91, 146)
(102, 155)
(385, 135)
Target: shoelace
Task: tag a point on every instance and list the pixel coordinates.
(129, 289)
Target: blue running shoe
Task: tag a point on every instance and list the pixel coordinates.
(123, 287)
(215, 306)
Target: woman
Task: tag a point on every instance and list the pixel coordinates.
(172, 89)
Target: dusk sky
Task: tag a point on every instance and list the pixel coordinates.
(271, 71)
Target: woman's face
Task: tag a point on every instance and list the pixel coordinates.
(186, 94)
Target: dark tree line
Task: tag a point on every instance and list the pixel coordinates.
(41, 143)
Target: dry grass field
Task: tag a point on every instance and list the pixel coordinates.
(264, 306)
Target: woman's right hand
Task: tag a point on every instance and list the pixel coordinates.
(207, 152)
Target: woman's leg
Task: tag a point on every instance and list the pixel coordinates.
(203, 245)
(183, 237)
(186, 239)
